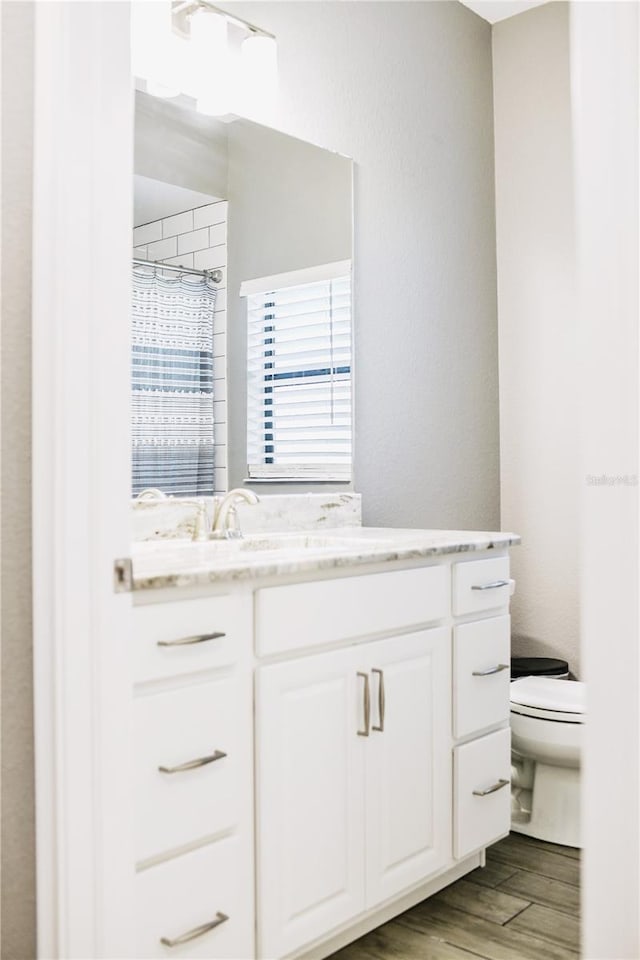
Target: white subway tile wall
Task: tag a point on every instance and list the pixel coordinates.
(198, 239)
(210, 258)
(181, 223)
(219, 368)
(217, 234)
(163, 249)
(221, 300)
(211, 214)
(147, 233)
(184, 260)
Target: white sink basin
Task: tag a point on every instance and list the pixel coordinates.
(256, 545)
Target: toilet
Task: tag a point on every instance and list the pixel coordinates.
(547, 729)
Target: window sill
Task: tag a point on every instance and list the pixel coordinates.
(253, 480)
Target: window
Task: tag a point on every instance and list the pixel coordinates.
(299, 374)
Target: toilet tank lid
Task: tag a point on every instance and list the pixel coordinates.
(545, 693)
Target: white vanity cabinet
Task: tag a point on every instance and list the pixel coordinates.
(381, 762)
(481, 678)
(482, 799)
(481, 671)
(338, 744)
(193, 778)
(310, 798)
(407, 774)
(353, 781)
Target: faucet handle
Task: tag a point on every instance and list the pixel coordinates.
(232, 530)
(200, 531)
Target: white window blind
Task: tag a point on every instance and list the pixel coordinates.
(299, 376)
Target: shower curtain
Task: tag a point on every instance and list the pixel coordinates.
(172, 383)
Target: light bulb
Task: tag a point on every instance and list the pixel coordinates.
(210, 51)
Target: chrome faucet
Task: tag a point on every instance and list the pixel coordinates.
(150, 493)
(225, 525)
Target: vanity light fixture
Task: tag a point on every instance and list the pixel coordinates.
(227, 65)
(236, 65)
(211, 62)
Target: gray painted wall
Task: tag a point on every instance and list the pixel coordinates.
(18, 935)
(405, 88)
(540, 417)
(290, 206)
(180, 146)
(290, 203)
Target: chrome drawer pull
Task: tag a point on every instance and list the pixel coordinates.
(185, 641)
(381, 702)
(491, 586)
(497, 786)
(490, 671)
(367, 706)
(193, 764)
(195, 933)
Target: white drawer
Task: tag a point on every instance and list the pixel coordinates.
(482, 799)
(480, 585)
(166, 635)
(481, 671)
(177, 727)
(301, 615)
(182, 895)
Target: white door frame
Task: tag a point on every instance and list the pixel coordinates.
(83, 164)
(604, 49)
(81, 486)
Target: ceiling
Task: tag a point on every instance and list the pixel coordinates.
(494, 10)
(154, 200)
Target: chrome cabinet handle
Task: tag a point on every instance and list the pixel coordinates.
(195, 933)
(381, 702)
(497, 786)
(491, 586)
(193, 764)
(490, 671)
(185, 641)
(367, 705)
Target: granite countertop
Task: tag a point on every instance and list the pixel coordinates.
(159, 564)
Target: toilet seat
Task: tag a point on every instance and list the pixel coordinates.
(562, 701)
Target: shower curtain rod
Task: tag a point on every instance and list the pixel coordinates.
(214, 275)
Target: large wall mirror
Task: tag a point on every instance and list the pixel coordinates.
(241, 335)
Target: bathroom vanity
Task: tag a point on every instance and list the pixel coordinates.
(321, 733)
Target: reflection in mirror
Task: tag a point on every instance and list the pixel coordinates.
(299, 374)
(236, 205)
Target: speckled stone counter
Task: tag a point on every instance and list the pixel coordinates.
(175, 518)
(182, 563)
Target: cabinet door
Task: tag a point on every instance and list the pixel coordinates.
(310, 787)
(408, 772)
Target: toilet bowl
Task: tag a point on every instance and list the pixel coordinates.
(547, 727)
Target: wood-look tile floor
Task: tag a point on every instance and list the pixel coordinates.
(524, 905)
